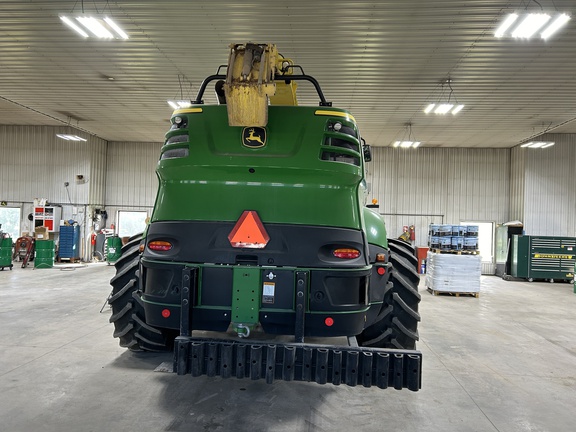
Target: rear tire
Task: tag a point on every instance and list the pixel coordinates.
(397, 322)
(127, 308)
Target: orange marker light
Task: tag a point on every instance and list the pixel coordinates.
(249, 232)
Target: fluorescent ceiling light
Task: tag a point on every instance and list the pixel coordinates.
(505, 25)
(457, 109)
(70, 137)
(73, 26)
(443, 108)
(95, 27)
(556, 24)
(406, 144)
(101, 28)
(116, 28)
(530, 25)
(525, 25)
(538, 144)
(177, 104)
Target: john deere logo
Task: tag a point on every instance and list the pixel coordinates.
(254, 137)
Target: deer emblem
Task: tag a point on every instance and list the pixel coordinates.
(253, 138)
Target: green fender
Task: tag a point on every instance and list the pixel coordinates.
(375, 228)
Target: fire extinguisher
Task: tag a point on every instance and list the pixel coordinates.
(412, 231)
(93, 239)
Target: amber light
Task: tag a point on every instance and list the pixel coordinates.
(380, 257)
(346, 253)
(160, 246)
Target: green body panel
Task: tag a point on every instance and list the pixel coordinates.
(246, 295)
(285, 180)
(375, 228)
(5, 252)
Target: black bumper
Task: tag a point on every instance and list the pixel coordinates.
(322, 364)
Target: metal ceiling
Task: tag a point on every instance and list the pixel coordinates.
(382, 60)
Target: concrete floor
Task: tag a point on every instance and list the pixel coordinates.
(503, 362)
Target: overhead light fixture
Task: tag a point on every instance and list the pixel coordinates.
(538, 144)
(99, 27)
(71, 137)
(526, 25)
(177, 104)
(445, 105)
(408, 143)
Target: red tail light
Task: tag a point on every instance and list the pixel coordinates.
(160, 246)
(345, 253)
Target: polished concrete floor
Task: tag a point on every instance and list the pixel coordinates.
(505, 361)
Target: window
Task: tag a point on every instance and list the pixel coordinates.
(10, 221)
(485, 239)
(131, 222)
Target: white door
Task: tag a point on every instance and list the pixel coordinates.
(485, 245)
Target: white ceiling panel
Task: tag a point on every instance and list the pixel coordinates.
(382, 60)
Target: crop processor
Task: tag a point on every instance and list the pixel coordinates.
(259, 231)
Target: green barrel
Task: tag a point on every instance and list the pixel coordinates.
(44, 257)
(5, 252)
(114, 247)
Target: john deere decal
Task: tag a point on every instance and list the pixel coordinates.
(254, 137)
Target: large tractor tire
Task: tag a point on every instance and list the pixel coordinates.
(397, 322)
(127, 308)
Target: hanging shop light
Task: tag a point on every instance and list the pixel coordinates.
(177, 104)
(408, 142)
(538, 144)
(93, 26)
(525, 25)
(444, 105)
(70, 137)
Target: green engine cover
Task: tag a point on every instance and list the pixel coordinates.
(297, 170)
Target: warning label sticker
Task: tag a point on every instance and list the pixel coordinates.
(268, 292)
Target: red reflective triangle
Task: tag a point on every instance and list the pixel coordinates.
(249, 232)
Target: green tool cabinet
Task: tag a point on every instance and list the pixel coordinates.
(540, 257)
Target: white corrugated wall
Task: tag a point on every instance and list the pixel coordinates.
(550, 187)
(131, 181)
(517, 183)
(436, 185)
(440, 186)
(34, 163)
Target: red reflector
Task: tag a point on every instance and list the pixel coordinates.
(166, 313)
(161, 246)
(346, 253)
(329, 321)
(249, 232)
(381, 271)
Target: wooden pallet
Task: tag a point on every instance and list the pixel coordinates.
(71, 260)
(454, 293)
(454, 252)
